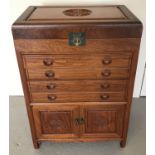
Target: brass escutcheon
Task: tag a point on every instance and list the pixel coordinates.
(77, 39)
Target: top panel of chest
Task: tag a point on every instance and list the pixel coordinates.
(79, 18)
(78, 14)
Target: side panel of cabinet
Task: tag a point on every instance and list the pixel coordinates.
(54, 122)
(104, 121)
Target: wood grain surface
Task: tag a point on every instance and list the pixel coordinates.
(77, 93)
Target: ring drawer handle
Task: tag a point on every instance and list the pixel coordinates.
(49, 74)
(82, 121)
(79, 121)
(51, 97)
(50, 86)
(104, 97)
(107, 61)
(106, 73)
(105, 85)
(48, 62)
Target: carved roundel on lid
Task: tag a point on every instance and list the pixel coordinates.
(77, 12)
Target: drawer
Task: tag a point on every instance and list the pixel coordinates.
(60, 74)
(78, 85)
(76, 61)
(78, 97)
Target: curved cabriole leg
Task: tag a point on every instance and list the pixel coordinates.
(36, 145)
(123, 143)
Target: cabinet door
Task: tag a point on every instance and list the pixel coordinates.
(54, 122)
(103, 121)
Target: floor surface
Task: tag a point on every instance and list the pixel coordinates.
(21, 144)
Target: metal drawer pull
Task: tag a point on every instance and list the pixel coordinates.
(107, 61)
(50, 86)
(82, 120)
(51, 97)
(106, 73)
(79, 121)
(48, 62)
(49, 74)
(104, 97)
(105, 85)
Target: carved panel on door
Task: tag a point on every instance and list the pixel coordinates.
(103, 120)
(53, 121)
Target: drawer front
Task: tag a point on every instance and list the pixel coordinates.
(78, 85)
(60, 74)
(76, 61)
(77, 97)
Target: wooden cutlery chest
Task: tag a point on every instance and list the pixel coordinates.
(77, 67)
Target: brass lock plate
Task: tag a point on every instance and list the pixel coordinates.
(77, 39)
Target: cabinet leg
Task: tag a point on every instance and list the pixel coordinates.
(123, 143)
(36, 145)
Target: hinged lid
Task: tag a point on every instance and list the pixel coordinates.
(76, 14)
(57, 22)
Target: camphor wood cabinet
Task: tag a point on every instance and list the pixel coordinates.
(77, 66)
